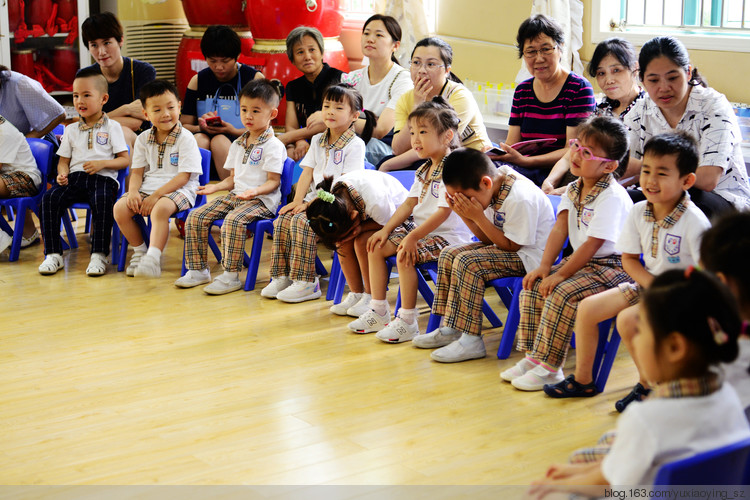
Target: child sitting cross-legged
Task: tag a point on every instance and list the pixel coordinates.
(591, 214)
(163, 179)
(434, 134)
(91, 152)
(255, 162)
(512, 219)
(666, 229)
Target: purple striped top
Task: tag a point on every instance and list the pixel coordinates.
(539, 120)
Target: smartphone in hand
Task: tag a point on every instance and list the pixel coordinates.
(214, 121)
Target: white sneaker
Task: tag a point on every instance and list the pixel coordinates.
(436, 338)
(27, 242)
(271, 290)
(360, 307)
(370, 322)
(222, 285)
(52, 263)
(343, 306)
(398, 331)
(456, 351)
(5, 240)
(193, 278)
(133, 264)
(518, 369)
(148, 267)
(300, 291)
(534, 379)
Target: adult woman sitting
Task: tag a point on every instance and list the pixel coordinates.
(304, 95)
(615, 67)
(221, 47)
(381, 82)
(102, 34)
(679, 99)
(550, 104)
(431, 74)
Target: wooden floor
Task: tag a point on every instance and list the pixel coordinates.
(118, 380)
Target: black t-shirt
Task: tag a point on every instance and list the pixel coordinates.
(208, 84)
(127, 89)
(307, 96)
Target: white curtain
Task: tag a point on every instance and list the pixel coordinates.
(411, 15)
(569, 13)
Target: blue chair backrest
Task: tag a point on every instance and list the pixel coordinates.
(286, 181)
(205, 176)
(555, 199)
(42, 152)
(369, 166)
(726, 465)
(405, 177)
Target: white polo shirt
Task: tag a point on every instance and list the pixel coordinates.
(264, 158)
(381, 192)
(339, 161)
(453, 229)
(384, 94)
(15, 153)
(107, 141)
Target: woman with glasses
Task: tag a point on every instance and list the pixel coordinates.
(430, 67)
(548, 105)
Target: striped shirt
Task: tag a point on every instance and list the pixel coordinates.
(540, 120)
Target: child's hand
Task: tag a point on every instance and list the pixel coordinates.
(133, 201)
(248, 194)
(288, 207)
(92, 167)
(148, 204)
(547, 186)
(377, 240)
(537, 274)
(208, 189)
(299, 208)
(549, 283)
(299, 151)
(406, 253)
(468, 208)
(62, 179)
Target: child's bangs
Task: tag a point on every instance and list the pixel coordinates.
(335, 93)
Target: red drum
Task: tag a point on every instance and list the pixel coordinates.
(15, 16)
(38, 12)
(66, 9)
(22, 61)
(64, 63)
(190, 59)
(204, 13)
(274, 19)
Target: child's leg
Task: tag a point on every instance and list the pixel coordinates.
(160, 214)
(360, 248)
(128, 227)
(302, 252)
(350, 266)
(18, 184)
(234, 233)
(379, 269)
(627, 325)
(54, 203)
(102, 193)
(282, 245)
(197, 227)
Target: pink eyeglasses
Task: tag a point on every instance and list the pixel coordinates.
(586, 153)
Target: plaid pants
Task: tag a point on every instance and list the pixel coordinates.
(595, 453)
(295, 246)
(546, 325)
(100, 192)
(463, 271)
(236, 214)
(428, 248)
(19, 184)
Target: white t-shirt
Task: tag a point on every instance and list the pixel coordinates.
(381, 192)
(182, 156)
(384, 94)
(661, 430)
(736, 372)
(15, 153)
(453, 229)
(266, 157)
(526, 218)
(679, 246)
(340, 161)
(710, 118)
(108, 140)
(603, 218)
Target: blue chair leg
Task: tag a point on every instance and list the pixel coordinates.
(320, 269)
(335, 276)
(511, 321)
(261, 229)
(609, 348)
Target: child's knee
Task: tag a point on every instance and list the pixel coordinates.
(627, 322)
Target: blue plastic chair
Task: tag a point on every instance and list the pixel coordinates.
(43, 155)
(182, 215)
(259, 228)
(728, 465)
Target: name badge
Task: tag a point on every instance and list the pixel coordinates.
(672, 247)
(586, 215)
(174, 159)
(256, 155)
(102, 138)
(338, 156)
(435, 189)
(499, 219)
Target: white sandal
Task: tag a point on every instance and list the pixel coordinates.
(97, 265)
(52, 263)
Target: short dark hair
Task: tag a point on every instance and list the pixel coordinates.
(678, 142)
(465, 167)
(220, 41)
(724, 249)
(619, 48)
(297, 34)
(268, 91)
(536, 25)
(156, 88)
(102, 25)
(612, 136)
(96, 73)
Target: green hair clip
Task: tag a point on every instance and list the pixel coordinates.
(326, 196)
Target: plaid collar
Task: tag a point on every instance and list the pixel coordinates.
(359, 203)
(505, 187)
(668, 221)
(339, 143)
(574, 193)
(83, 127)
(169, 141)
(262, 138)
(436, 176)
(688, 387)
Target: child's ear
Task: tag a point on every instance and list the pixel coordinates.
(611, 166)
(688, 181)
(675, 347)
(353, 215)
(449, 135)
(105, 98)
(485, 182)
(274, 113)
(356, 115)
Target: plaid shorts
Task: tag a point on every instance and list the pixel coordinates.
(19, 184)
(631, 292)
(428, 248)
(594, 454)
(178, 198)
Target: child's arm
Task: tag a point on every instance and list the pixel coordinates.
(631, 263)
(408, 246)
(120, 161)
(366, 226)
(399, 216)
(273, 181)
(226, 185)
(552, 249)
(170, 186)
(549, 185)
(588, 480)
(400, 161)
(63, 169)
(472, 214)
(303, 186)
(575, 263)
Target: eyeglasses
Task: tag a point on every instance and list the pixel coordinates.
(428, 65)
(545, 51)
(586, 153)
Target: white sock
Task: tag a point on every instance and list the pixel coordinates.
(356, 296)
(231, 276)
(409, 316)
(379, 306)
(467, 340)
(154, 252)
(141, 249)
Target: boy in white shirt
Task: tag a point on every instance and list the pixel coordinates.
(91, 152)
(512, 218)
(255, 162)
(163, 179)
